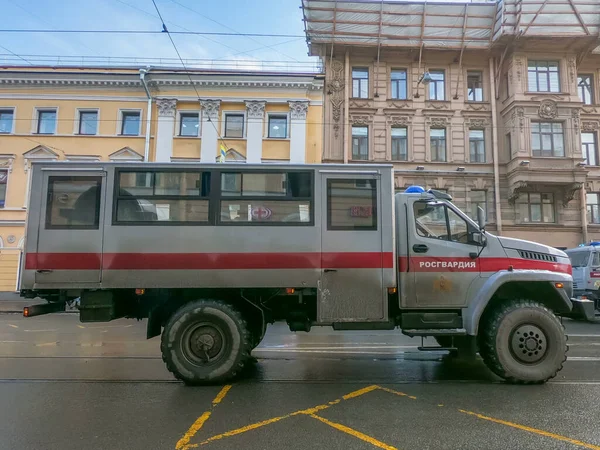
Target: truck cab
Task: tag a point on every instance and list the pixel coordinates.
(585, 261)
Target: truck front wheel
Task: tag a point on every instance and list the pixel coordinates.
(205, 341)
(523, 342)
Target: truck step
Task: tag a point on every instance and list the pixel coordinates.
(437, 349)
(436, 332)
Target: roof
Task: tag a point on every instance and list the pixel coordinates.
(445, 25)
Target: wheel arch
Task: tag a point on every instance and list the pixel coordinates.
(505, 285)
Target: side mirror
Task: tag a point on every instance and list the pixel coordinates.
(479, 238)
(481, 218)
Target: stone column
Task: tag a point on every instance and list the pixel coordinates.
(298, 111)
(164, 129)
(209, 127)
(255, 113)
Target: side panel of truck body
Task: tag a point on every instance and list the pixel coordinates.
(315, 250)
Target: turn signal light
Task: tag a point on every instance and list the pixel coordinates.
(559, 285)
(392, 290)
(26, 311)
(140, 291)
(290, 291)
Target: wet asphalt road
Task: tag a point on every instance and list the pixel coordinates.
(66, 385)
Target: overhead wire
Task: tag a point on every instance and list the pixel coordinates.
(166, 30)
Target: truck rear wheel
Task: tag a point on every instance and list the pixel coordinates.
(523, 342)
(205, 341)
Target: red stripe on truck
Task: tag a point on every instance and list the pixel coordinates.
(208, 261)
(449, 264)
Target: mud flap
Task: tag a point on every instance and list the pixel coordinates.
(583, 309)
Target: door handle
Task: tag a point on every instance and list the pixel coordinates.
(420, 248)
(329, 270)
(45, 271)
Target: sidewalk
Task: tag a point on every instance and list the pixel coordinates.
(11, 302)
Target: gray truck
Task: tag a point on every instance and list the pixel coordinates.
(211, 254)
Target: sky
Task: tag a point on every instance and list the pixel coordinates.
(259, 16)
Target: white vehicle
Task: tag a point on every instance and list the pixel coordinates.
(586, 271)
(211, 254)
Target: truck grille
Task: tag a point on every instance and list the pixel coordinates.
(537, 256)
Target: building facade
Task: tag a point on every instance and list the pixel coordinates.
(496, 103)
(118, 114)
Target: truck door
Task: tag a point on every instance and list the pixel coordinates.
(69, 248)
(442, 255)
(352, 260)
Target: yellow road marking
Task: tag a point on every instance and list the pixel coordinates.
(184, 442)
(221, 395)
(12, 326)
(401, 394)
(360, 392)
(46, 344)
(353, 432)
(308, 412)
(189, 434)
(557, 437)
(80, 326)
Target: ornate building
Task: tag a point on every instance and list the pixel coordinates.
(495, 102)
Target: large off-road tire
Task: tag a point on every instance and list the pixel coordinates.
(523, 342)
(206, 341)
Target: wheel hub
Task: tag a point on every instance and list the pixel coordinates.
(204, 343)
(529, 343)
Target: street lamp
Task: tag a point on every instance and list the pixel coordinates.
(425, 79)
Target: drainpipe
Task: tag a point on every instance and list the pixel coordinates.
(584, 224)
(347, 94)
(143, 73)
(497, 203)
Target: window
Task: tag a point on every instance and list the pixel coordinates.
(166, 197)
(360, 82)
(399, 144)
(436, 86)
(547, 139)
(278, 126)
(73, 203)
(88, 122)
(435, 220)
(46, 121)
(398, 77)
(536, 208)
(437, 137)
(130, 123)
(475, 86)
(542, 76)
(585, 87)
(3, 183)
(589, 148)
(189, 124)
(6, 120)
(261, 198)
(360, 143)
(234, 126)
(352, 204)
(477, 146)
(478, 199)
(593, 207)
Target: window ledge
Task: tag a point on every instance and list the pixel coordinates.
(538, 224)
(546, 93)
(234, 138)
(185, 137)
(276, 139)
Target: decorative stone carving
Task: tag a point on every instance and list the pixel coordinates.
(477, 123)
(210, 108)
(438, 121)
(166, 107)
(335, 89)
(399, 121)
(358, 103)
(11, 238)
(570, 192)
(398, 104)
(589, 126)
(255, 109)
(576, 114)
(360, 119)
(519, 66)
(548, 109)
(437, 105)
(477, 107)
(572, 64)
(298, 110)
(589, 110)
(518, 116)
(516, 191)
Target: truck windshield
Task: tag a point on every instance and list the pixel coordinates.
(579, 259)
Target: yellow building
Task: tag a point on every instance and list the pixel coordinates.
(123, 114)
